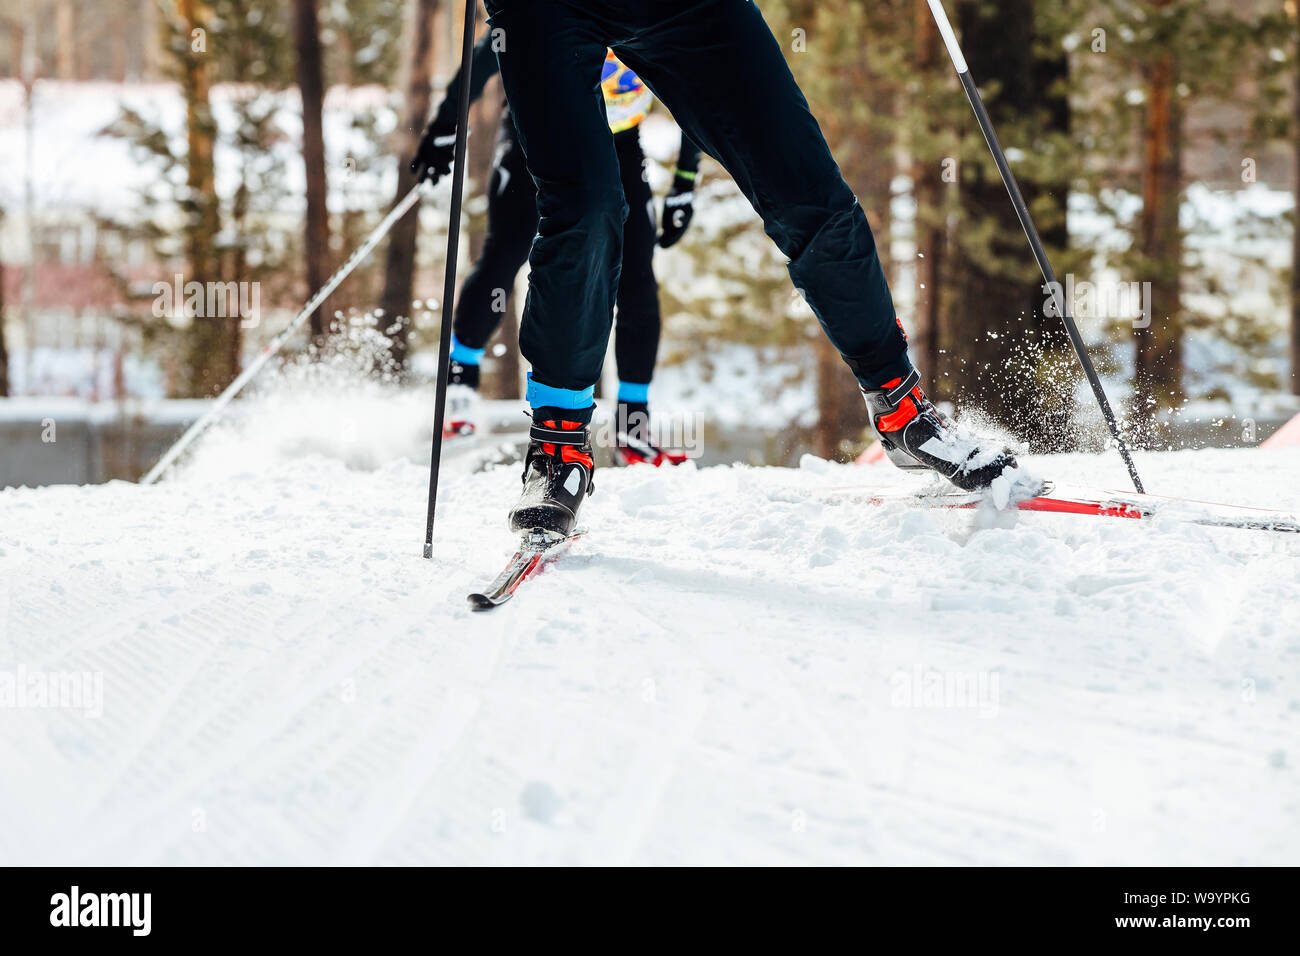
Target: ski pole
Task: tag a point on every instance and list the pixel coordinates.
(1031, 232)
(449, 282)
(247, 375)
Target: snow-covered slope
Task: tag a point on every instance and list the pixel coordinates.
(735, 666)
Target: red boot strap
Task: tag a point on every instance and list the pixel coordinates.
(906, 409)
(570, 445)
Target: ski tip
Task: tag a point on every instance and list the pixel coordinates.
(481, 602)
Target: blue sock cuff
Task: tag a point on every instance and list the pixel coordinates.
(633, 392)
(546, 396)
(464, 354)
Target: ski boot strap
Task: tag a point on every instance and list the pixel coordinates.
(883, 400)
(556, 436)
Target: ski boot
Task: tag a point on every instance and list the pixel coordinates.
(557, 476)
(632, 444)
(462, 400)
(917, 436)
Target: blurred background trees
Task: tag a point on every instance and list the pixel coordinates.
(1157, 142)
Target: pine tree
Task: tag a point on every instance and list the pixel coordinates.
(1010, 347)
(242, 42)
(846, 59)
(211, 354)
(255, 60)
(924, 138)
(1158, 372)
(311, 86)
(365, 44)
(399, 268)
(1167, 62)
(1295, 216)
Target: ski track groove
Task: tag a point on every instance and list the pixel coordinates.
(264, 725)
(854, 781)
(624, 822)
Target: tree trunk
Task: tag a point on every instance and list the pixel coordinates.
(15, 29)
(239, 255)
(1158, 369)
(865, 148)
(1054, 367)
(399, 266)
(151, 40)
(65, 40)
(1005, 341)
(311, 84)
(928, 339)
(4, 351)
(1295, 240)
(30, 67)
(209, 363)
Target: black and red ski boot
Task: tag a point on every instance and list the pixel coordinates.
(629, 451)
(917, 436)
(557, 475)
(632, 445)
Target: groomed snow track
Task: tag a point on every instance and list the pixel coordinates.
(729, 668)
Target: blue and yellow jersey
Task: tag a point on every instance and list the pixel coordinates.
(627, 99)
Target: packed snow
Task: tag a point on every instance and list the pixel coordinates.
(735, 665)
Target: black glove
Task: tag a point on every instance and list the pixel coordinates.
(434, 154)
(679, 206)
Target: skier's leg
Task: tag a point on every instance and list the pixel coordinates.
(550, 67)
(511, 225)
(636, 324)
(636, 330)
(717, 67)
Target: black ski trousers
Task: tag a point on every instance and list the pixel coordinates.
(717, 67)
(511, 225)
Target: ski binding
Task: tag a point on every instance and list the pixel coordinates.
(536, 550)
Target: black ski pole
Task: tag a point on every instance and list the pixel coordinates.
(449, 285)
(1031, 232)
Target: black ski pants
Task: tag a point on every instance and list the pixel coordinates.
(717, 67)
(511, 225)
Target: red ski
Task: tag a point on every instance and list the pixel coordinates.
(536, 550)
(1108, 504)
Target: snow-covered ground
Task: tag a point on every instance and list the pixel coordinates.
(736, 665)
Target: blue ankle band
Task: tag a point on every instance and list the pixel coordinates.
(464, 354)
(633, 392)
(546, 396)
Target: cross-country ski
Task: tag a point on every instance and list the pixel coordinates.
(536, 549)
(1070, 500)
